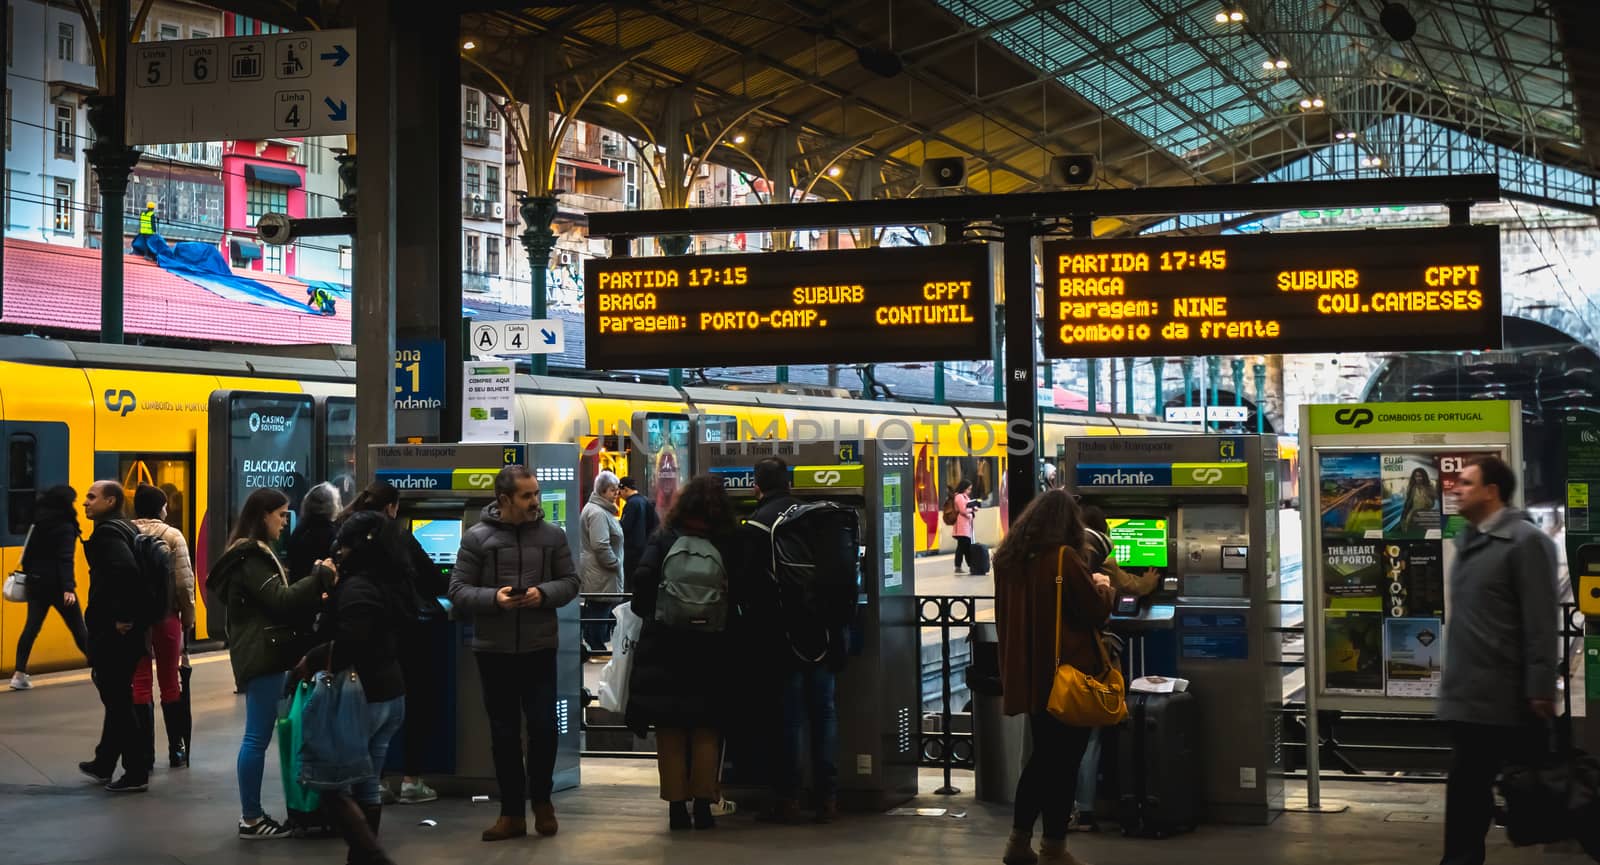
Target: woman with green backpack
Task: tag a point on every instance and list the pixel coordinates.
(683, 593)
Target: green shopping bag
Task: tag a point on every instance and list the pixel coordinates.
(298, 798)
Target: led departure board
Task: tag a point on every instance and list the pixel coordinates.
(883, 305)
(1374, 290)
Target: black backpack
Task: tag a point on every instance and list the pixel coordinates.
(150, 553)
(815, 567)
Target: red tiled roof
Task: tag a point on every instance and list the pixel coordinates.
(59, 286)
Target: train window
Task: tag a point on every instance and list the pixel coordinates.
(340, 445)
(22, 481)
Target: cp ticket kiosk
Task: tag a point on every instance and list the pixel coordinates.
(876, 693)
(1202, 511)
(443, 489)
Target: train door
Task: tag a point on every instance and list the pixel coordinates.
(173, 474)
(33, 459)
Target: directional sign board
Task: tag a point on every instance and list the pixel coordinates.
(505, 338)
(245, 87)
(1213, 413)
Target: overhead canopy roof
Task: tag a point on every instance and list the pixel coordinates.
(1158, 90)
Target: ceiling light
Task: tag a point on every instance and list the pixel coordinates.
(621, 98)
(1267, 65)
(739, 138)
(1222, 17)
(1281, 63)
(1316, 102)
(835, 171)
(1236, 16)
(1305, 104)
(468, 45)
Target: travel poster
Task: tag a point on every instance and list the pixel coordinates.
(1423, 578)
(1352, 573)
(1351, 495)
(1410, 496)
(1353, 649)
(1413, 656)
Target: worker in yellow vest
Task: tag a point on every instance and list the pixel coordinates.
(147, 227)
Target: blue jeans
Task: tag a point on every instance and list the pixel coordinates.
(808, 700)
(383, 721)
(261, 696)
(1089, 774)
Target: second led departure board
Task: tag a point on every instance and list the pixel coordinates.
(1374, 290)
(885, 305)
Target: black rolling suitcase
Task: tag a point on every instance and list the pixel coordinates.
(978, 559)
(1157, 755)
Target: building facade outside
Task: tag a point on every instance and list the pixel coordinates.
(49, 72)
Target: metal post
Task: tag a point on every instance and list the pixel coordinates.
(1002, 350)
(113, 160)
(1022, 395)
(947, 748)
(1238, 381)
(1158, 366)
(1214, 378)
(1188, 381)
(1093, 375)
(1261, 400)
(537, 238)
(783, 374)
(375, 229)
(1127, 375)
(938, 382)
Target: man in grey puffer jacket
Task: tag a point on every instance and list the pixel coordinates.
(513, 570)
(601, 567)
(1500, 651)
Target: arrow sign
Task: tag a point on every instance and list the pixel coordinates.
(338, 55)
(549, 336)
(336, 113)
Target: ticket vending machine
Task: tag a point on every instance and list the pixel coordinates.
(1202, 510)
(443, 489)
(876, 693)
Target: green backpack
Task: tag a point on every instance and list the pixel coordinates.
(693, 595)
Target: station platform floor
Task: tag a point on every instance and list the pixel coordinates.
(49, 815)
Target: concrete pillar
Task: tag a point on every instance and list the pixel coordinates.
(427, 240)
(376, 229)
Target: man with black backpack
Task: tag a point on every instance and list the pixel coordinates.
(128, 575)
(807, 552)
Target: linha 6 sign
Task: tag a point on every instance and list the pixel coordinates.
(833, 306)
(1429, 289)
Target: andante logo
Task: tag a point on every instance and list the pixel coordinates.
(1355, 418)
(414, 482)
(121, 401)
(1122, 478)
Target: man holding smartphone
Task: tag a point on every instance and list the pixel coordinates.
(513, 570)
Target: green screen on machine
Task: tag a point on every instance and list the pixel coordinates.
(1139, 543)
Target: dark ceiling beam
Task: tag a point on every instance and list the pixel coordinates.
(1578, 23)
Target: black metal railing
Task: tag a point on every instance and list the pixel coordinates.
(585, 655)
(947, 749)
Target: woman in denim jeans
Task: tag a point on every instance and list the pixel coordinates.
(262, 611)
(361, 628)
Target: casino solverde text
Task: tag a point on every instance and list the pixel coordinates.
(1407, 289)
(793, 307)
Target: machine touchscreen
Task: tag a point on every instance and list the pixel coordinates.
(1139, 542)
(440, 539)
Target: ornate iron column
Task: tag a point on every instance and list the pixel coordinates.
(538, 211)
(113, 160)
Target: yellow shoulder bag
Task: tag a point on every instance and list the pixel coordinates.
(1076, 698)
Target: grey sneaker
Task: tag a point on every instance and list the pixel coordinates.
(20, 681)
(416, 792)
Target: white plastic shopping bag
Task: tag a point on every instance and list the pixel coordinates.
(624, 641)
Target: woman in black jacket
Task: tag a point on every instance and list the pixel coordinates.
(675, 684)
(361, 628)
(48, 562)
(312, 539)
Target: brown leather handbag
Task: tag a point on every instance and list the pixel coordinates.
(1077, 698)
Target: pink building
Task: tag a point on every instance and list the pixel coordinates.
(260, 177)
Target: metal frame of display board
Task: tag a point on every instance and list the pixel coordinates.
(1422, 437)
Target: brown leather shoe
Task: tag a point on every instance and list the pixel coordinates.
(506, 828)
(544, 819)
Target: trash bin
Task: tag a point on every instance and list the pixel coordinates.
(1000, 743)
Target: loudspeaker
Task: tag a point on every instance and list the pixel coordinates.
(1073, 169)
(944, 172)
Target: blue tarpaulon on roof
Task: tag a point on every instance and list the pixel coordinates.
(203, 265)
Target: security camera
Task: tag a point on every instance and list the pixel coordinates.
(275, 229)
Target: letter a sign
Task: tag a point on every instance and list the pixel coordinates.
(506, 338)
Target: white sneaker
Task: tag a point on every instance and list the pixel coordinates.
(416, 792)
(723, 807)
(20, 681)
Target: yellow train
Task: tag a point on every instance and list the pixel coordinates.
(77, 412)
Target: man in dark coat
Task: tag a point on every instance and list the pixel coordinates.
(639, 522)
(1499, 684)
(118, 619)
